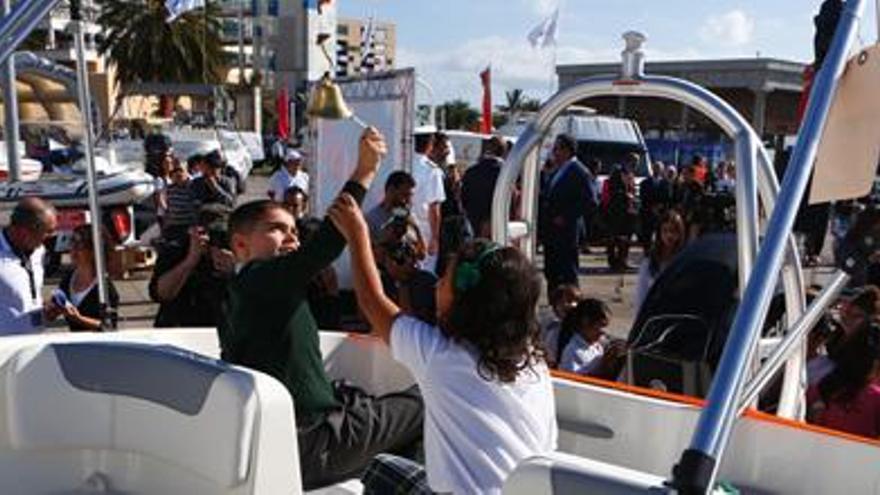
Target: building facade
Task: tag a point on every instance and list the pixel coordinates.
(765, 91)
(355, 54)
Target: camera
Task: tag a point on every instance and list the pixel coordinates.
(218, 237)
(401, 252)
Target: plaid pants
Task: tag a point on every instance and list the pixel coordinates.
(392, 475)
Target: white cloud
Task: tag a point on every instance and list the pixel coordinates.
(731, 29)
(542, 7)
(454, 72)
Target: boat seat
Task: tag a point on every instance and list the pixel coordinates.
(558, 474)
(216, 427)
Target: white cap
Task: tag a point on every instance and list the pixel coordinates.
(293, 155)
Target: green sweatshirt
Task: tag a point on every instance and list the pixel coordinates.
(269, 327)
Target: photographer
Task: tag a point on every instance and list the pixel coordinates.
(192, 271)
(394, 212)
(214, 186)
(402, 279)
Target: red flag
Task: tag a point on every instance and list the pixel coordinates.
(283, 105)
(486, 78)
(809, 75)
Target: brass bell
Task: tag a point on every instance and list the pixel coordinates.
(327, 101)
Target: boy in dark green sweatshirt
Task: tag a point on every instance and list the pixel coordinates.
(268, 326)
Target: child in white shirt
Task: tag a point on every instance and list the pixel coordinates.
(487, 391)
(587, 350)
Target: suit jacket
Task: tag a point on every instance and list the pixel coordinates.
(566, 199)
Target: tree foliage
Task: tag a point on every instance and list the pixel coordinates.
(459, 115)
(146, 48)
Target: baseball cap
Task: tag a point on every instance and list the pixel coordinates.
(293, 155)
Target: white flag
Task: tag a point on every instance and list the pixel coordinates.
(544, 34)
(176, 8)
(367, 47)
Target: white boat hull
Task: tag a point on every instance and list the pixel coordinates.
(632, 428)
(72, 191)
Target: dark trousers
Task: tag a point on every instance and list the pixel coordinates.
(340, 445)
(560, 258)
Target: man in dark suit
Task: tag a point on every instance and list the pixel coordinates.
(478, 186)
(568, 195)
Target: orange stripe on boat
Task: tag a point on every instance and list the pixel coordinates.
(697, 402)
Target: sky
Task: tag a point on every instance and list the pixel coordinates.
(450, 41)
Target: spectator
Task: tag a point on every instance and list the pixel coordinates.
(296, 201)
(700, 170)
(855, 312)
(848, 399)
(162, 178)
(483, 377)
(650, 205)
(478, 187)
(81, 306)
(726, 183)
(567, 197)
(192, 272)
(183, 208)
(428, 197)
(692, 201)
(406, 283)
(671, 238)
(582, 340)
(399, 191)
(269, 327)
(562, 300)
(213, 186)
(668, 193)
(441, 152)
(287, 176)
(454, 227)
(21, 266)
(619, 203)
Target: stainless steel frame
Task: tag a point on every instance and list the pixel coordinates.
(716, 421)
(755, 178)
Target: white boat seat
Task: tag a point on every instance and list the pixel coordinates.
(231, 428)
(558, 474)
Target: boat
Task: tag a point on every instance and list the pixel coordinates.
(71, 190)
(152, 411)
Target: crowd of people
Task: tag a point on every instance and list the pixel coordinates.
(457, 310)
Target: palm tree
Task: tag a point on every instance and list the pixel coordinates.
(515, 98)
(146, 48)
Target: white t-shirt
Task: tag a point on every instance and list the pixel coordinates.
(476, 431)
(281, 181)
(429, 189)
(21, 300)
(581, 357)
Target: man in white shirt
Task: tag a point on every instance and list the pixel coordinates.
(21, 266)
(291, 174)
(428, 197)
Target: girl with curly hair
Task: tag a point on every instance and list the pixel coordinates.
(486, 387)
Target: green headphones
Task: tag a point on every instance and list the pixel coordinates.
(468, 273)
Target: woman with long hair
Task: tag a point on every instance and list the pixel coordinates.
(77, 296)
(671, 239)
(619, 202)
(848, 399)
(481, 370)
